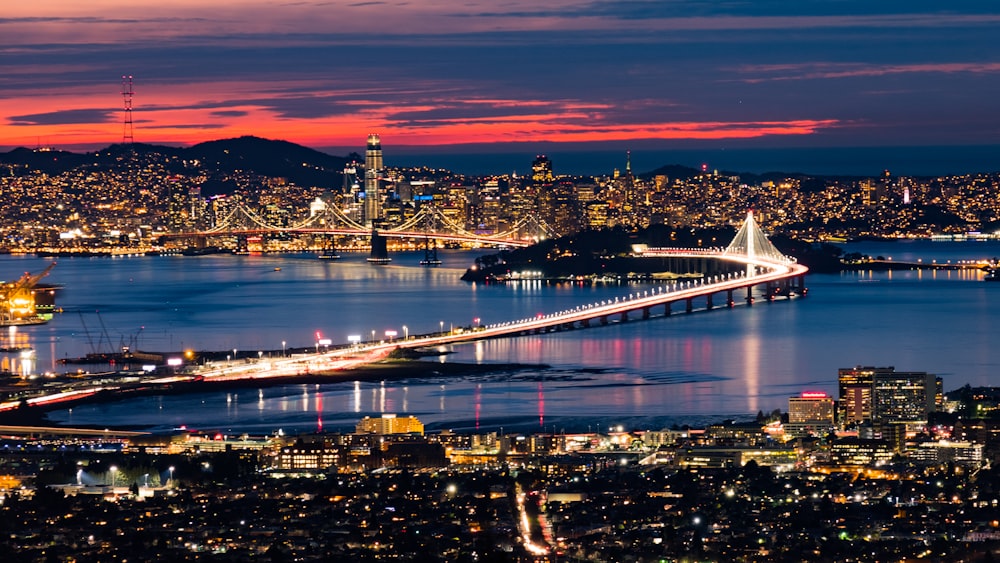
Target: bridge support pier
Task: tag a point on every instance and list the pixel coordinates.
(604, 320)
(624, 317)
(729, 299)
(689, 305)
(645, 312)
(708, 302)
(585, 323)
(749, 295)
(666, 309)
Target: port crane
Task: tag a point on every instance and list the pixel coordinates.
(17, 304)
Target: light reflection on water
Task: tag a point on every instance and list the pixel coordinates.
(727, 362)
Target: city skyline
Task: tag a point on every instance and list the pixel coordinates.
(575, 74)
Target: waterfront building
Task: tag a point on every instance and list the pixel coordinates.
(390, 424)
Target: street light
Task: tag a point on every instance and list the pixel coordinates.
(441, 324)
(373, 337)
(114, 472)
(406, 333)
(171, 479)
(145, 477)
(282, 348)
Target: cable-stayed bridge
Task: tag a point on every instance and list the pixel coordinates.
(761, 264)
(430, 222)
(757, 263)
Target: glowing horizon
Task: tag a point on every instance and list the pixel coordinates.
(437, 74)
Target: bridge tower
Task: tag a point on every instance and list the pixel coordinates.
(751, 241)
(430, 244)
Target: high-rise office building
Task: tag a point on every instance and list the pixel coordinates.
(903, 396)
(856, 394)
(541, 170)
(373, 175)
(884, 395)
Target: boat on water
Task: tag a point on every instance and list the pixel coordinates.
(992, 275)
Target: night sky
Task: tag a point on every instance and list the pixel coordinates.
(566, 73)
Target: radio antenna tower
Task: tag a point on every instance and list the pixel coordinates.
(128, 138)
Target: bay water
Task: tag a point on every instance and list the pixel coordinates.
(640, 374)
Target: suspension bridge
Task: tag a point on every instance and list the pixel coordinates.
(430, 222)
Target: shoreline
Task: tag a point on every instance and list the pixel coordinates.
(388, 370)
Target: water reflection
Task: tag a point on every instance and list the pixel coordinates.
(724, 362)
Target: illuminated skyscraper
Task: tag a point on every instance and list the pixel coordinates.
(373, 174)
(856, 394)
(885, 396)
(904, 396)
(541, 170)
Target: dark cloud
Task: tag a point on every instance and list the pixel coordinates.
(600, 62)
(230, 113)
(65, 117)
(187, 126)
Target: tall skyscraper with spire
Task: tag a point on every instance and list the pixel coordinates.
(373, 174)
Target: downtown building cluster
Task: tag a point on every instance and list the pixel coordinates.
(881, 473)
(128, 200)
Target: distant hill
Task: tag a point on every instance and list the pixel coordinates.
(300, 165)
(673, 171)
(51, 162)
